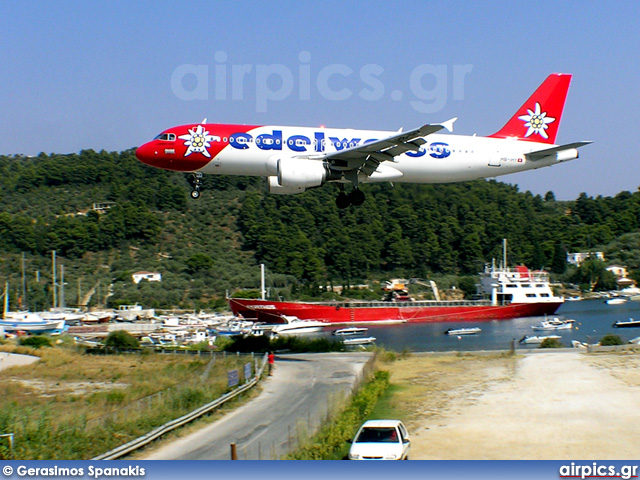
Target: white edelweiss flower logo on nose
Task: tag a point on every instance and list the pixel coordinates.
(198, 140)
(536, 121)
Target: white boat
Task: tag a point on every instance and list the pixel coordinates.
(359, 341)
(293, 325)
(537, 339)
(348, 331)
(577, 344)
(71, 316)
(616, 301)
(134, 312)
(554, 324)
(463, 331)
(29, 322)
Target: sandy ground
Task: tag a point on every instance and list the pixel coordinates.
(13, 359)
(551, 405)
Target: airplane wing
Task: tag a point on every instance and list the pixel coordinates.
(366, 158)
(537, 155)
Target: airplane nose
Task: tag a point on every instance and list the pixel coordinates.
(147, 154)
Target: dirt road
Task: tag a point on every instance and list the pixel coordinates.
(551, 405)
(300, 394)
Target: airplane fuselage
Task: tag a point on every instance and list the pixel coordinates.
(256, 151)
(295, 159)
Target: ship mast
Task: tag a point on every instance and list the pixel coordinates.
(504, 253)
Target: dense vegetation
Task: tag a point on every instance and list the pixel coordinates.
(204, 248)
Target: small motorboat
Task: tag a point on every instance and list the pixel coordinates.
(627, 323)
(580, 345)
(554, 324)
(463, 331)
(349, 331)
(359, 341)
(616, 300)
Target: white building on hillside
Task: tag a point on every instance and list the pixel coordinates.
(148, 276)
(579, 257)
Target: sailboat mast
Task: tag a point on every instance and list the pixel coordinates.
(24, 284)
(6, 300)
(62, 305)
(53, 279)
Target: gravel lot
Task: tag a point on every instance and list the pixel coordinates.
(543, 405)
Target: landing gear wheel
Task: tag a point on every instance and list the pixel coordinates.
(356, 197)
(195, 181)
(343, 200)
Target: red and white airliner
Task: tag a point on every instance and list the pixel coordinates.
(295, 159)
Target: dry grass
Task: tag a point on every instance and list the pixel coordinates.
(429, 385)
(67, 393)
(625, 366)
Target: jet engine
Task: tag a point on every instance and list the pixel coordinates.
(274, 187)
(299, 172)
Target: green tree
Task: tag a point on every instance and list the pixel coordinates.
(199, 262)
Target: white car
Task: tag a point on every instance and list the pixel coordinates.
(381, 440)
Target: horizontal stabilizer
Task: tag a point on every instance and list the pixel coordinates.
(547, 152)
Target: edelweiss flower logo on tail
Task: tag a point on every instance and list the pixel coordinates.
(198, 141)
(537, 122)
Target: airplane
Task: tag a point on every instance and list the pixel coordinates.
(295, 159)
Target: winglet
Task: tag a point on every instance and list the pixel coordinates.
(449, 124)
(204, 121)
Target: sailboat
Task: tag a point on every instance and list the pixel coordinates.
(26, 321)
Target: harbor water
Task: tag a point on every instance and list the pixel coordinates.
(593, 320)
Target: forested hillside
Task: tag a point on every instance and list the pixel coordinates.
(208, 246)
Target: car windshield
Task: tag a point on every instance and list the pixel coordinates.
(377, 435)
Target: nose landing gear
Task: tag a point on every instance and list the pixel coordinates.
(196, 183)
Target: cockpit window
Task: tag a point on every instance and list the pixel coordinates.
(169, 137)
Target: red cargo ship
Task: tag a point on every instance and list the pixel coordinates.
(509, 293)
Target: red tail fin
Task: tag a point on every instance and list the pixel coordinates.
(537, 120)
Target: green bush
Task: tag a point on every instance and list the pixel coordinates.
(121, 339)
(36, 341)
(609, 340)
(288, 343)
(551, 343)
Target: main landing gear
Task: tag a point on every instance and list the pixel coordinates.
(196, 183)
(356, 198)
